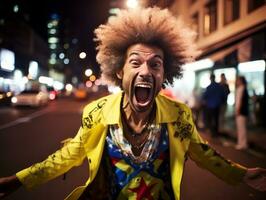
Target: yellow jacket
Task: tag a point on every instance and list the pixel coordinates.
(184, 141)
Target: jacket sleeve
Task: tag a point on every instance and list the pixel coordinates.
(208, 158)
(70, 155)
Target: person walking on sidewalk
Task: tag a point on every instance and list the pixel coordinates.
(213, 97)
(241, 112)
(225, 86)
(136, 141)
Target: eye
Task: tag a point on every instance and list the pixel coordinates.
(135, 62)
(155, 63)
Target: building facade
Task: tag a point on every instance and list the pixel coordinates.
(23, 52)
(232, 36)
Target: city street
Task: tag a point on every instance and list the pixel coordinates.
(29, 135)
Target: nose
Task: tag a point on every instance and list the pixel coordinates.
(145, 70)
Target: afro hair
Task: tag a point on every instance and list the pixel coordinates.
(153, 26)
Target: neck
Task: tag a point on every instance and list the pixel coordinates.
(136, 120)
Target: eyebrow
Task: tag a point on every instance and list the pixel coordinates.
(137, 54)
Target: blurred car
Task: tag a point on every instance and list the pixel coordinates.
(5, 98)
(32, 98)
(80, 94)
(53, 94)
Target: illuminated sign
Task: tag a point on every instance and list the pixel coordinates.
(7, 60)
(33, 69)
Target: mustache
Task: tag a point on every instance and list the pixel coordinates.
(144, 78)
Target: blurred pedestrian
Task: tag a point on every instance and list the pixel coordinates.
(213, 97)
(241, 112)
(136, 141)
(225, 86)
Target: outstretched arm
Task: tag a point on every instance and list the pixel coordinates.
(70, 155)
(256, 178)
(8, 185)
(233, 173)
(227, 170)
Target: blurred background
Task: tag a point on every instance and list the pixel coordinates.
(48, 65)
(51, 42)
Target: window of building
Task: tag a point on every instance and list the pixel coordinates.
(231, 10)
(195, 25)
(210, 17)
(254, 4)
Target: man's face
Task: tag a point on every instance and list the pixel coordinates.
(142, 75)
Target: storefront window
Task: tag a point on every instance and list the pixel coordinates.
(254, 74)
(230, 74)
(203, 80)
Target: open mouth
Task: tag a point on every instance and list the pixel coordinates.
(143, 93)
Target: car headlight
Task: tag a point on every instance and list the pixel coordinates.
(8, 94)
(14, 99)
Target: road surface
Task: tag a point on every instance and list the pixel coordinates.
(30, 135)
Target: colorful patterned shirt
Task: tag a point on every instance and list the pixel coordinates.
(131, 179)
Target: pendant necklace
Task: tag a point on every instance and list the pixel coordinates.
(137, 140)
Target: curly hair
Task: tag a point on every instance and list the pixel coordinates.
(152, 26)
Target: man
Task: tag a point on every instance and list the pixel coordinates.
(136, 141)
(213, 97)
(225, 86)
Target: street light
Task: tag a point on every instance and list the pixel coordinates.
(82, 55)
(132, 3)
(88, 72)
(66, 61)
(61, 55)
(15, 8)
(92, 78)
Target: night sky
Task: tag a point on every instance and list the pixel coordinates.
(83, 16)
(80, 16)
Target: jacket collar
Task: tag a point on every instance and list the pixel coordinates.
(166, 109)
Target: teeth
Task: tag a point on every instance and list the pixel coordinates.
(143, 85)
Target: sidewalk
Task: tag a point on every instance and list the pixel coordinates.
(256, 137)
(256, 134)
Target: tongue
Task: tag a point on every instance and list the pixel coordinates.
(142, 94)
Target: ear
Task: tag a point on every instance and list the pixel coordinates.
(119, 74)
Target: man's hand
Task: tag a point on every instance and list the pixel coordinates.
(8, 185)
(256, 178)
